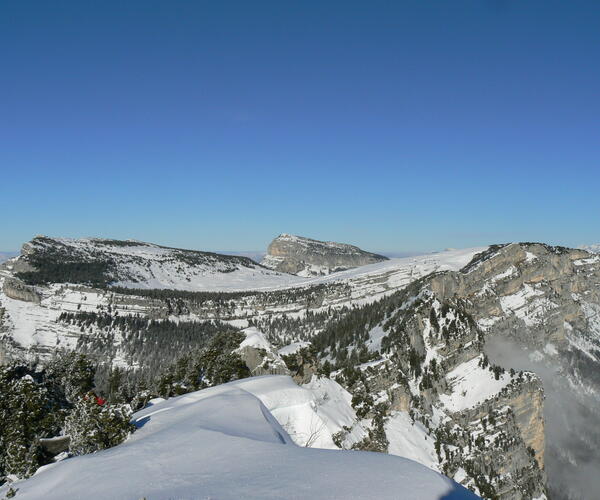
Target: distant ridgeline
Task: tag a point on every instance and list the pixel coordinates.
(100, 262)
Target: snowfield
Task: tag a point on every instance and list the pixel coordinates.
(224, 443)
(471, 385)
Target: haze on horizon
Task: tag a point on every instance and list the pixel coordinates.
(403, 126)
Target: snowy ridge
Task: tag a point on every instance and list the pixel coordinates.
(224, 443)
(396, 272)
(134, 264)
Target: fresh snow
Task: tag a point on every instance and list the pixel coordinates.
(255, 338)
(376, 335)
(409, 439)
(528, 304)
(510, 272)
(471, 385)
(224, 443)
(310, 414)
(530, 257)
(293, 348)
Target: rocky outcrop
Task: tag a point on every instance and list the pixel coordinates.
(306, 257)
(486, 422)
(262, 361)
(16, 289)
(55, 445)
(259, 356)
(539, 308)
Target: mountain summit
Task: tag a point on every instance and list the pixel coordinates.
(307, 257)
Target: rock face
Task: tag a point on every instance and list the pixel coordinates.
(538, 309)
(259, 356)
(481, 424)
(539, 306)
(306, 257)
(16, 289)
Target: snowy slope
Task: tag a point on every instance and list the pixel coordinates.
(141, 265)
(392, 273)
(310, 414)
(472, 385)
(223, 443)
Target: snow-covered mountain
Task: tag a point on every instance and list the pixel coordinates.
(131, 264)
(423, 348)
(591, 248)
(307, 257)
(31, 312)
(528, 307)
(226, 443)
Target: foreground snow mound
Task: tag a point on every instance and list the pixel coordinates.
(223, 443)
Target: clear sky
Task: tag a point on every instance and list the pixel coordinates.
(396, 125)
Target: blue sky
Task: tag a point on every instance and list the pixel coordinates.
(397, 126)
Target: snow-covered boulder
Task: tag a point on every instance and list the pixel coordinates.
(258, 354)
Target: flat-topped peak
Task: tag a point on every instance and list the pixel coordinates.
(309, 257)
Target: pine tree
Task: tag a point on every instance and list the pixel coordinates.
(27, 412)
(93, 427)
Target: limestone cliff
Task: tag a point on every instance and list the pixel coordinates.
(306, 257)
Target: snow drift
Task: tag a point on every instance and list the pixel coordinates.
(223, 443)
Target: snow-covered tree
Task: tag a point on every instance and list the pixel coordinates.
(93, 426)
(28, 412)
